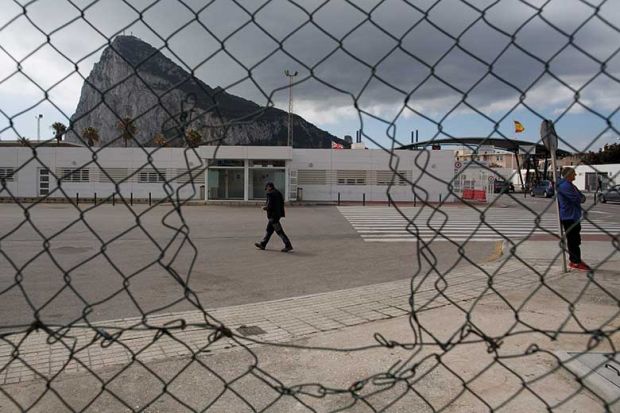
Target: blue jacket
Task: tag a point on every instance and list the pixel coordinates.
(569, 198)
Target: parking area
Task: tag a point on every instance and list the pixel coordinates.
(110, 262)
(113, 262)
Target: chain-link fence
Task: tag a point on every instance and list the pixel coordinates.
(510, 335)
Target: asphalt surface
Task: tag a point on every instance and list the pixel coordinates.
(61, 264)
(608, 211)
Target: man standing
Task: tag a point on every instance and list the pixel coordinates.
(570, 200)
(275, 211)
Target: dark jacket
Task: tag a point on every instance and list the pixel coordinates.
(570, 201)
(275, 205)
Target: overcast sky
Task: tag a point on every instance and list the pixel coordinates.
(387, 67)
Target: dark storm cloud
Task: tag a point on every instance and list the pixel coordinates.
(377, 52)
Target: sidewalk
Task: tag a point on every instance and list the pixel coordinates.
(487, 319)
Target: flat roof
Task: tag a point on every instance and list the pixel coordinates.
(473, 143)
(34, 143)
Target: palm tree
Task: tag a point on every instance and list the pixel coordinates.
(127, 128)
(24, 141)
(91, 135)
(193, 138)
(59, 130)
(159, 140)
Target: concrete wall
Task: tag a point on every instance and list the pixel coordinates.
(168, 161)
(426, 168)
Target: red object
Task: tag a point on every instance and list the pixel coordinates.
(480, 195)
(582, 266)
(337, 145)
(468, 194)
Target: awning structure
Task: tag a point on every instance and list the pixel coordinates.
(474, 143)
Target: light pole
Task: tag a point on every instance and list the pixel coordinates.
(290, 106)
(38, 118)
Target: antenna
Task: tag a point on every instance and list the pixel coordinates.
(290, 106)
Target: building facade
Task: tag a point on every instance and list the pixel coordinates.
(590, 177)
(489, 156)
(225, 173)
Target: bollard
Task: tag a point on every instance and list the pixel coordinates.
(389, 201)
(131, 198)
(77, 198)
(440, 198)
(113, 199)
(338, 198)
(414, 199)
(149, 199)
(95, 198)
(364, 199)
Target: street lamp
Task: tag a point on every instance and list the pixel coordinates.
(38, 118)
(290, 106)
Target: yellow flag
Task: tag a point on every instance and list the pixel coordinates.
(518, 127)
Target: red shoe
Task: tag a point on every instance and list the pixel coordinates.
(572, 265)
(582, 266)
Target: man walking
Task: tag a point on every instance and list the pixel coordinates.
(570, 200)
(275, 211)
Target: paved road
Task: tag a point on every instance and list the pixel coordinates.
(110, 262)
(62, 264)
(385, 224)
(609, 212)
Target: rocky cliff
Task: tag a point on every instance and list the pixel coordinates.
(134, 80)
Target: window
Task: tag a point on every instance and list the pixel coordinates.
(7, 174)
(44, 182)
(75, 175)
(351, 177)
(400, 178)
(151, 177)
(112, 175)
(311, 177)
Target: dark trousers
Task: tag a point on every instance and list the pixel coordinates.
(572, 230)
(274, 226)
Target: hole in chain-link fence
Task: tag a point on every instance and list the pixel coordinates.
(434, 276)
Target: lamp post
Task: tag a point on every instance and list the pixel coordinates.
(38, 118)
(290, 106)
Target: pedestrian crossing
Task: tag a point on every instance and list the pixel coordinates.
(386, 224)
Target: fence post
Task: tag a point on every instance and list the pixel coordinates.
(113, 198)
(131, 198)
(338, 198)
(95, 200)
(149, 199)
(77, 198)
(415, 198)
(440, 198)
(388, 200)
(364, 199)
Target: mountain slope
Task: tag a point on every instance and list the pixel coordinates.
(135, 80)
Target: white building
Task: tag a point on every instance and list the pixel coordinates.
(588, 176)
(228, 173)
